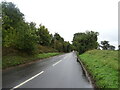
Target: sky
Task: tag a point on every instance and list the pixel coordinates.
(68, 17)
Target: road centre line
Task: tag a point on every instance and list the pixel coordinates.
(56, 63)
(27, 80)
(32, 77)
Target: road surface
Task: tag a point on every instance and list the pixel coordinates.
(61, 71)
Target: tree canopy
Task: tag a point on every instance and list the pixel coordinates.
(106, 46)
(44, 36)
(85, 41)
(24, 36)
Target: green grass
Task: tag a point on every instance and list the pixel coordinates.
(17, 59)
(103, 66)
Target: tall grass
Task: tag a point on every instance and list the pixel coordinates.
(103, 66)
(17, 59)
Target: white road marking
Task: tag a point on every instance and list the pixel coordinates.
(26, 81)
(56, 63)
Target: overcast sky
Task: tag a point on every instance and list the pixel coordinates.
(71, 16)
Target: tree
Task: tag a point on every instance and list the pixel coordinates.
(11, 15)
(105, 45)
(17, 33)
(66, 47)
(57, 42)
(85, 41)
(11, 23)
(58, 37)
(32, 26)
(44, 36)
(24, 36)
(58, 46)
(27, 39)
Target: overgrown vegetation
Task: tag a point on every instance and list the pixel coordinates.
(13, 57)
(25, 36)
(22, 58)
(23, 42)
(103, 66)
(106, 46)
(85, 41)
(19, 36)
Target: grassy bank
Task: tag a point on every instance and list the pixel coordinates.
(17, 59)
(103, 66)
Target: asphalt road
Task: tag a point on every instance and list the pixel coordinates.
(61, 71)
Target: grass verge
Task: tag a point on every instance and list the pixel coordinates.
(103, 66)
(17, 59)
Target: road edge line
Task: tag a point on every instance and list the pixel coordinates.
(84, 70)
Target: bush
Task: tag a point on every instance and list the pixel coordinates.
(27, 44)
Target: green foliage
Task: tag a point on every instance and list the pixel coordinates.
(26, 43)
(44, 36)
(25, 36)
(67, 47)
(45, 49)
(58, 37)
(17, 59)
(16, 32)
(59, 44)
(12, 17)
(9, 37)
(85, 41)
(46, 55)
(106, 46)
(103, 66)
